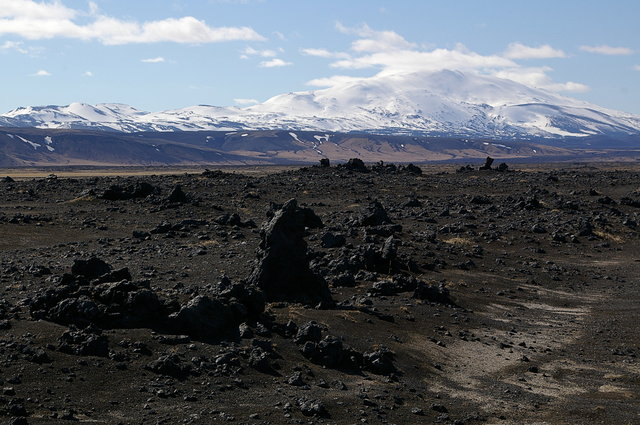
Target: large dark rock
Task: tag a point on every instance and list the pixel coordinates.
(252, 298)
(435, 293)
(119, 193)
(487, 164)
(80, 311)
(84, 342)
(234, 220)
(329, 352)
(356, 164)
(332, 240)
(207, 318)
(379, 361)
(374, 214)
(372, 258)
(502, 167)
(91, 268)
(177, 196)
(282, 270)
(310, 331)
(170, 365)
(412, 169)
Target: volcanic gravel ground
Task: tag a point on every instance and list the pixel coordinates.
(322, 295)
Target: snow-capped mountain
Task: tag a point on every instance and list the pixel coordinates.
(442, 103)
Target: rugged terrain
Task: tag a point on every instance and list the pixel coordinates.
(351, 294)
(27, 147)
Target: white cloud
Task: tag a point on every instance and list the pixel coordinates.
(14, 45)
(332, 81)
(520, 51)
(41, 73)
(637, 67)
(94, 9)
(389, 53)
(537, 77)
(159, 59)
(324, 53)
(607, 50)
(374, 41)
(246, 101)
(267, 53)
(34, 20)
(415, 60)
(87, 74)
(274, 63)
(35, 10)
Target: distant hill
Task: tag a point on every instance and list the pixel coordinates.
(49, 147)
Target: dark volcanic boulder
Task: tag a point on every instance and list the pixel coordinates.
(84, 342)
(177, 196)
(379, 361)
(310, 331)
(170, 365)
(91, 268)
(435, 293)
(80, 311)
(282, 270)
(234, 220)
(502, 167)
(324, 162)
(487, 164)
(331, 240)
(119, 193)
(412, 169)
(207, 318)
(332, 353)
(374, 215)
(329, 352)
(356, 164)
(250, 297)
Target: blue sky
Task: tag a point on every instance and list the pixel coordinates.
(156, 55)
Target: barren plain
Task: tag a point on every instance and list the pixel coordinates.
(352, 294)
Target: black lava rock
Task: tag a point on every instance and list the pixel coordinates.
(282, 270)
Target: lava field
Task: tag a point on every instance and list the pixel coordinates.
(349, 294)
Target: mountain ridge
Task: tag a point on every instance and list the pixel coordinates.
(443, 103)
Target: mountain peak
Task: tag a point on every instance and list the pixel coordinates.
(444, 102)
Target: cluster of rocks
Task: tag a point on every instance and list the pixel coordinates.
(329, 351)
(357, 165)
(144, 190)
(133, 191)
(502, 167)
(94, 295)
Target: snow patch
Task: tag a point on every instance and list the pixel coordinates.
(322, 139)
(295, 137)
(34, 145)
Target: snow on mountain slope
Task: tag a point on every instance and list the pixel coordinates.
(436, 103)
